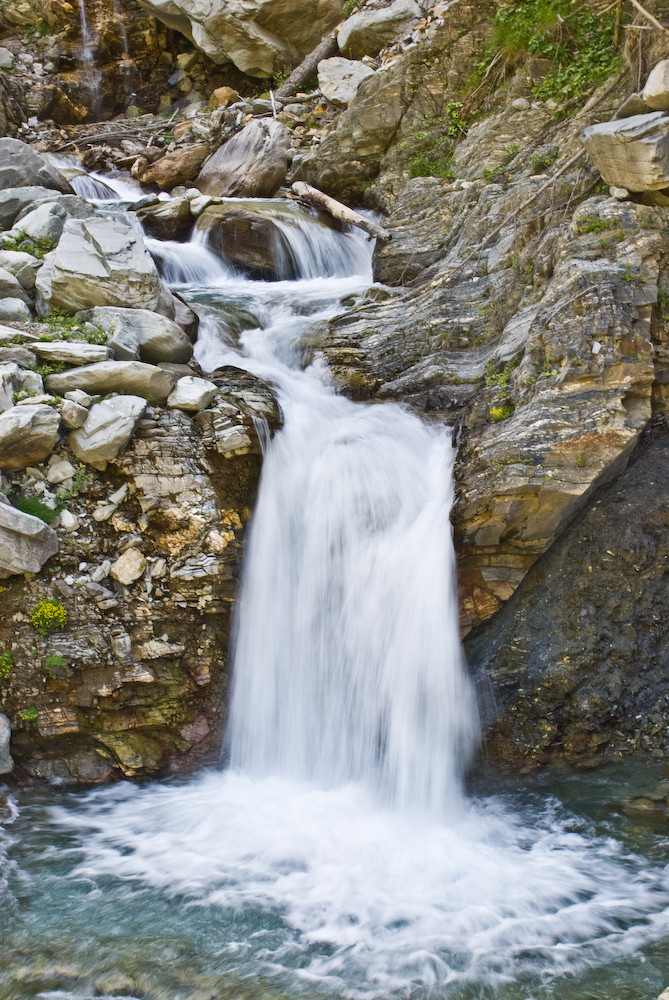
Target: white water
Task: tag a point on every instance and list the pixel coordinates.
(92, 74)
(342, 818)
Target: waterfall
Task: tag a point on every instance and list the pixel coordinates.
(92, 75)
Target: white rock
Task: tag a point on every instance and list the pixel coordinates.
(134, 333)
(339, 78)
(44, 222)
(128, 567)
(655, 94)
(68, 521)
(103, 513)
(9, 383)
(27, 435)
(79, 396)
(6, 58)
(370, 29)
(15, 309)
(71, 352)
(631, 153)
(59, 471)
(6, 762)
(120, 494)
(26, 542)
(73, 415)
(191, 394)
(108, 428)
(133, 377)
(596, 347)
(620, 194)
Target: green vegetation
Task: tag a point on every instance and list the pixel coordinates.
(32, 505)
(57, 667)
(24, 243)
(6, 664)
(429, 148)
(498, 464)
(500, 377)
(577, 40)
(29, 714)
(80, 481)
(47, 616)
(542, 161)
(64, 327)
(349, 8)
(581, 460)
(595, 224)
(501, 412)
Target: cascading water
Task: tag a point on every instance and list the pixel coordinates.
(92, 75)
(337, 854)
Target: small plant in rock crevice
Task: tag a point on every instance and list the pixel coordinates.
(48, 616)
(29, 714)
(32, 505)
(6, 664)
(57, 667)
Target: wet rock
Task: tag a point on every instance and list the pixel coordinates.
(167, 220)
(108, 428)
(191, 394)
(339, 79)
(132, 377)
(26, 542)
(370, 29)
(100, 262)
(631, 152)
(177, 167)
(134, 333)
(6, 762)
(27, 435)
(21, 165)
(253, 164)
(71, 352)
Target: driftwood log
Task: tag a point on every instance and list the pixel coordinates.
(312, 196)
(301, 74)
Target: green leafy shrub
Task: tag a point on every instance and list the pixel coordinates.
(429, 149)
(501, 412)
(29, 714)
(57, 667)
(6, 664)
(31, 505)
(48, 615)
(25, 244)
(64, 327)
(500, 378)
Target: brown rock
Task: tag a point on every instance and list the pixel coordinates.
(177, 167)
(222, 97)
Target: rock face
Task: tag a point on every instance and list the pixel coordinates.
(631, 153)
(26, 543)
(100, 262)
(555, 664)
(260, 37)
(27, 435)
(340, 79)
(21, 165)
(371, 28)
(252, 164)
(107, 430)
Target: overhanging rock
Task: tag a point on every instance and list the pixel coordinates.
(631, 153)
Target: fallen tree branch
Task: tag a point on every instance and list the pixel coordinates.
(301, 74)
(649, 17)
(312, 196)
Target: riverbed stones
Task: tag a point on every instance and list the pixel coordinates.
(631, 153)
(100, 262)
(21, 165)
(26, 542)
(370, 29)
(6, 762)
(191, 394)
(253, 164)
(339, 79)
(71, 352)
(139, 333)
(107, 430)
(133, 377)
(28, 435)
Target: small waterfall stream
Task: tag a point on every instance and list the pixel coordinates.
(337, 854)
(92, 74)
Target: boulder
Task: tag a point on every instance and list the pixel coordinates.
(21, 355)
(177, 167)
(655, 94)
(9, 383)
(253, 164)
(132, 377)
(167, 220)
(27, 435)
(108, 428)
(339, 79)
(261, 37)
(19, 164)
(14, 310)
(138, 333)
(14, 200)
(369, 30)
(72, 414)
(26, 542)
(191, 394)
(631, 153)
(128, 567)
(44, 222)
(100, 262)
(10, 287)
(73, 352)
(6, 762)
(222, 97)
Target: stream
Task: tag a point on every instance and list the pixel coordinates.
(337, 852)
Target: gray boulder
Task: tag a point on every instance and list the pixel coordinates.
(100, 262)
(15, 200)
(108, 428)
(191, 394)
(27, 435)
(26, 542)
(14, 310)
(9, 383)
(138, 333)
(11, 287)
(631, 153)
(71, 352)
(253, 164)
(339, 79)
(6, 762)
(372, 28)
(19, 164)
(44, 222)
(132, 377)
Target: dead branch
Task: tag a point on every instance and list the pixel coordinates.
(312, 196)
